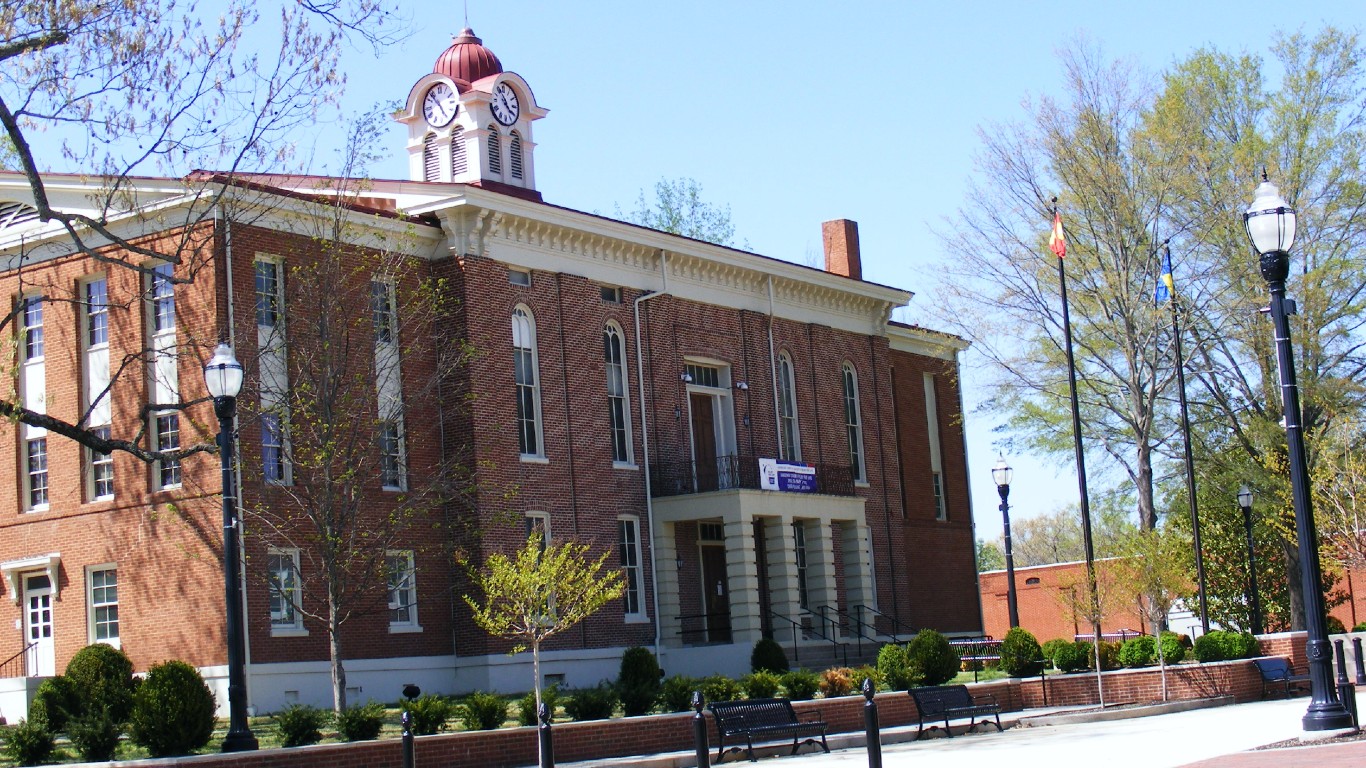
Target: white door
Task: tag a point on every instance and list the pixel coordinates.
(38, 626)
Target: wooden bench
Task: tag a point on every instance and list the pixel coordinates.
(1277, 674)
(951, 702)
(763, 719)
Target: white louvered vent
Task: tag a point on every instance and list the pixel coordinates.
(495, 151)
(12, 214)
(458, 162)
(515, 155)
(431, 167)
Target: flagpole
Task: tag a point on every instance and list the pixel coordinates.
(1190, 463)
(1076, 438)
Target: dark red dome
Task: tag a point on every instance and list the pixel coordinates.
(467, 59)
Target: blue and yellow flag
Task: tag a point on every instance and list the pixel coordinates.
(1166, 287)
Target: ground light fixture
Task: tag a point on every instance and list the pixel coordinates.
(1270, 223)
(1003, 474)
(223, 377)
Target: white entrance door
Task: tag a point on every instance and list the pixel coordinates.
(38, 626)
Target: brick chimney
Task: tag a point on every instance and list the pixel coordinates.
(841, 248)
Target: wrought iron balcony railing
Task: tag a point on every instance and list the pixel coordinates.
(729, 472)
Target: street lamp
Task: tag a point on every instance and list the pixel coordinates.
(1002, 474)
(1254, 602)
(223, 377)
(1270, 223)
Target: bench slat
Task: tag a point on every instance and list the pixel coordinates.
(762, 717)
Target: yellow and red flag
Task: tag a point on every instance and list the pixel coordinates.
(1056, 243)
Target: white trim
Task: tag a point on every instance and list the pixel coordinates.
(90, 571)
(50, 563)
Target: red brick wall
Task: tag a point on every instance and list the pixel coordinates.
(1043, 608)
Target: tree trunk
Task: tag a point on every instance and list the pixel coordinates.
(335, 653)
(1147, 514)
(1295, 585)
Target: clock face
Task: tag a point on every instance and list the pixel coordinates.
(505, 106)
(440, 105)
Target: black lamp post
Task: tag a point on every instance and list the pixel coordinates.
(1254, 601)
(1002, 474)
(223, 376)
(1270, 223)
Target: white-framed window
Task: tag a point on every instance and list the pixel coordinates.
(495, 151)
(633, 596)
(527, 382)
(102, 597)
(33, 396)
(168, 439)
(165, 377)
(538, 523)
(853, 424)
(520, 277)
(515, 155)
(163, 299)
(431, 159)
(618, 399)
(799, 550)
(459, 164)
(392, 472)
(35, 451)
(402, 575)
(283, 573)
(941, 511)
(611, 294)
(101, 469)
(789, 433)
(268, 293)
(33, 328)
(384, 317)
(273, 377)
(96, 313)
(272, 448)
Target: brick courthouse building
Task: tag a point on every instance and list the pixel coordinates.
(627, 387)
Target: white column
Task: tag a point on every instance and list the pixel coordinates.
(782, 576)
(858, 583)
(743, 579)
(820, 569)
(666, 571)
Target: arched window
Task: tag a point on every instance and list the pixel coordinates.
(515, 155)
(788, 432)
(495, 150)
(618, 404)
(527, 382)
(853, 423)
(431, 162)
(458, 162)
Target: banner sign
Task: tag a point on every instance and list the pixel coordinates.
(775, 475)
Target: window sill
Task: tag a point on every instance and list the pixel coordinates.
(531, 458)
(288, 632)
(626, 465)
(636, 618)
(861, 484)
(112, 642)
(392, 489)
(37, 508)
(404, 629)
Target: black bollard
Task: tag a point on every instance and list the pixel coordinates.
(408, 761)
(699, 731)
(1361, 668)
(870, 729)
(547, 741)
(1347, 693)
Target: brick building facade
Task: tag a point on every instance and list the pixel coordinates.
(628, 388)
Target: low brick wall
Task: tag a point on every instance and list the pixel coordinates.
(510, 747)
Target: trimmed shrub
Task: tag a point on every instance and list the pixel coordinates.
(54, 703)
(1021, 655)
(1138, 651)
(483, 711)
(1335, 625)
(95, 736)
(768, 656)
(300, 725)
(931, 659)
(1173, 650)
(721, 688)
(595, 703)
(1073, 657)
(676, 693)
(761, 685)
(1209, 647)
(1109, 655)
(894, 667)
(428, 713)
(1241, 645)
(362, 722)
(866, 672)
(526, 708)
(173, 711)
(28, 743)
(104, 676)
(801, 685)
(1360, 627)
(837, 681)
(638, 682)
(1050, 649)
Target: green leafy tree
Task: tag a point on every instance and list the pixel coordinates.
(990, 556)
(678, 207)
(537, 593)
(1153, 573)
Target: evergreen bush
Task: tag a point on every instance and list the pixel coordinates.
(1050, 649)
(362, 722)
(638, 682)
(1173, 650)
(1021, 655)
(801, 685)
(173, 711)
(1073, 657)
(526, 707)
(761, 685)
(300, 725)
(1334, 625)
(1360, 627)
(676, 693)
(594, 703)
(28, 743)
(1241, 645)
(1209, 646)
(721, 688)
(894, 667)
(103, 675)
(1138, 652)
(867, 672)
(95, 736)
(428, 713)
(837, 681)
(483, 711)
(931, 659)
(54, 703)
(768, 656)
(1109, 655)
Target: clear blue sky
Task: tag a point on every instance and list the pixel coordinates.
(794, 113)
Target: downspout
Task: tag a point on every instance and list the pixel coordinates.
(773, 372)
(963, 443)
(882, 466)
(645, 450)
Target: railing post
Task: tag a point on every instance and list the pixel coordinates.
(1361, 668)
(1347, 693)
(796, 646)
(547, 741)
(408, 761)
(699, 731)
(870, 727)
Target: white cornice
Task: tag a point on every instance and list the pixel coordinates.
(923, 341)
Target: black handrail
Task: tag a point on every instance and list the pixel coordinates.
(723, 473)
(5, 670)
(856, 624)
(897, 625)
(703, 630)
(833, 636)
(797, 628)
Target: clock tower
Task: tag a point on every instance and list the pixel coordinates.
(470, 122)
